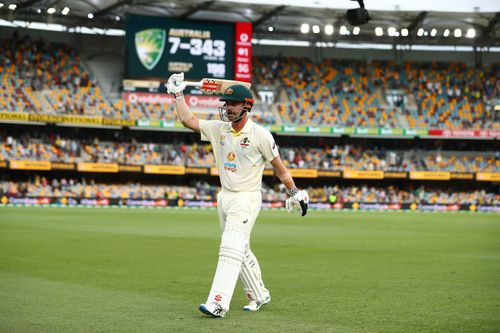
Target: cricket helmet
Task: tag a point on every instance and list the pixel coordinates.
(237, 93)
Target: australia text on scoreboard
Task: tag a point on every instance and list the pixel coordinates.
(198, 43)
(158, 47)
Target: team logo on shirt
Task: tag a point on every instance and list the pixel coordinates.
(244, 143)
(230, 166)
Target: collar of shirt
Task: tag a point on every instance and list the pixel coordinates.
(246, 129)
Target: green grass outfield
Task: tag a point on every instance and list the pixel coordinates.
(135, 270)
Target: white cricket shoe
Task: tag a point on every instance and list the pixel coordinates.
(213, 309)
(256, 305)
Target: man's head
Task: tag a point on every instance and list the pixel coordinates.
(238, 101)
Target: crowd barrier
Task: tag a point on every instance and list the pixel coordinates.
(213, 171)
(22, 117)
(188, 203)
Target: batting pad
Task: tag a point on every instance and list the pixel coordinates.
(251, 277)
(231, 255)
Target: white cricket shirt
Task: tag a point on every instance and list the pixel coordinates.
(240, 157)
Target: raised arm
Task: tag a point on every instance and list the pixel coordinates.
(175, 86)
(299, 199)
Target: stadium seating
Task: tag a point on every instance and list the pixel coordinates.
(337, 157)
(46, 77)
(448, 95)
(41, 187)
(331, 93)
(461, 163)
(350, 93)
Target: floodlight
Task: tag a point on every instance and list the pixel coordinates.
(304, 28)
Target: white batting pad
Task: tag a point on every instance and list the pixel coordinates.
(251, 277)
(231, 255)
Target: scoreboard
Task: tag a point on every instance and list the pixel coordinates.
(157, 47)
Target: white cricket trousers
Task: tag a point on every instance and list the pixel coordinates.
(237, 214)
(238, 210)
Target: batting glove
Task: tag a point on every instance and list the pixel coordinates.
(299, 202)
(176, 84)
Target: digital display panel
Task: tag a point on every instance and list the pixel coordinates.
(156, 47)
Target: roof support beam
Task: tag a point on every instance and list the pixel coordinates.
(27, 4)
(491, 26)
(110, 8)
(194, 9)
(415, 23)
(268, 15)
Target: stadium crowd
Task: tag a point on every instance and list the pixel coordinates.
(355, 93)
(43, 77)
(56, 148)
(40, 186)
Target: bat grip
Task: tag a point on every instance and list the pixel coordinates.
(194, 84)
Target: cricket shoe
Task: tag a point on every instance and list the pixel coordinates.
(256, 305)
(213, 309)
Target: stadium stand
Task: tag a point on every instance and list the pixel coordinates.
(44, 77)
(351, 93)
(50, 78)
(47, 77)
(337, 157)
(83, 188)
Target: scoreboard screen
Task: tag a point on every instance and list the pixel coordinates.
(156, 47)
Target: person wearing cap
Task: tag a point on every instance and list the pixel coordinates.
(241, 148)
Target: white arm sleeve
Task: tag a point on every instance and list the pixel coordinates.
(268, 146)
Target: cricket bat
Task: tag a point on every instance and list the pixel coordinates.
(215, 86)
(207, 85)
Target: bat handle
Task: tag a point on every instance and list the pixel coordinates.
(194, 84)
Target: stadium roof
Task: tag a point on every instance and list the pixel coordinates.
(426, 22)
